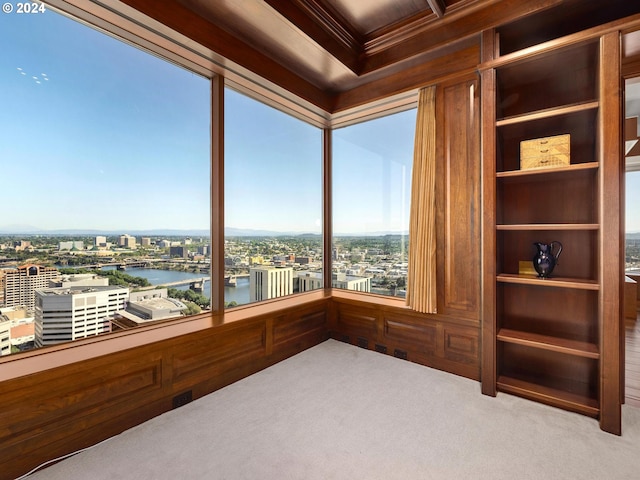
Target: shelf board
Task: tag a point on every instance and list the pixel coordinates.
(549, 226)
(547, 171)
(551, 396)
(546, 342)
(547, 113)
(554, 282)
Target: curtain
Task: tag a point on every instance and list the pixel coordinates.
(421, 275)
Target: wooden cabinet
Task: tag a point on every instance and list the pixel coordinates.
(555, 340)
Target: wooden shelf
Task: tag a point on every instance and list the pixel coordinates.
(548, 171)
(576, 402)
(546, 342)
(547, 113)
(554, 282)
(549, 226)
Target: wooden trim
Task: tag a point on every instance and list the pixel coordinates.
(437, 70)
(574, 39)
(417, 36)
(324, 26)
(217, 194)
(327, 214)
(488, 318)
(612, 235)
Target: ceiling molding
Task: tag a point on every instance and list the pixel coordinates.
(426, 32)
(326, 27)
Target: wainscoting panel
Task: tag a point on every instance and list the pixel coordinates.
(446, 343)
(61, 410)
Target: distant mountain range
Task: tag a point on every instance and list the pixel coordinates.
(30, 230)
(229, 232)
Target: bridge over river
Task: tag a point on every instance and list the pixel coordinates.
(196, 284)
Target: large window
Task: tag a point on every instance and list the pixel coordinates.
(105, 178)
(371, 199)
(273, 202)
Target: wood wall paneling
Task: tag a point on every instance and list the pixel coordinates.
(58, 411)
(446, 343)
(458, 200)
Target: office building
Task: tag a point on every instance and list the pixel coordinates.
(270, 282)
(127, 241)
(64, 314)
(21, 283)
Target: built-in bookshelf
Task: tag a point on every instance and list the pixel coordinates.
(547, 335)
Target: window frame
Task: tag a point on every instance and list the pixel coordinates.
(130, 26)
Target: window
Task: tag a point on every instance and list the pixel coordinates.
(371, 199)
(273, 202)
(632, 176)
(632, 223)
(105, 150)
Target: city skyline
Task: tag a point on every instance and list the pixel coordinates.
(120, 141)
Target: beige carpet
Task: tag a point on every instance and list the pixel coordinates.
(340, 412)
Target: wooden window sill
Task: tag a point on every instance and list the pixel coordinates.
(33, 361)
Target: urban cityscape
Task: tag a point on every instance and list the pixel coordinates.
(60, 288)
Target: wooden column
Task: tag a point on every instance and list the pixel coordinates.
(217, 194)
(611, 235)
(488, 195)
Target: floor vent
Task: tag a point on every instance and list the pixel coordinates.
(400, 354)
(381, 348)
(363, 342)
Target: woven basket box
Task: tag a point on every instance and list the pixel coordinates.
(545, 152)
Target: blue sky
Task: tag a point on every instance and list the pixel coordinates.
(97, 135)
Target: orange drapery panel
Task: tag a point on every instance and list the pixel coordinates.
(421, 277)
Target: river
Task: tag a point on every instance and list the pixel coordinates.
(238, 294)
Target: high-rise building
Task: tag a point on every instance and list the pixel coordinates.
(65, 314)
(127, 241)
(2, 287)
(21, 283)
(270, 282)
(145, 241)
(101, 241)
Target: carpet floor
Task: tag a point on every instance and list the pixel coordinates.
(337, 411)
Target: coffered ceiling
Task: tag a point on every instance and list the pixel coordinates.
(338, 54)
